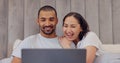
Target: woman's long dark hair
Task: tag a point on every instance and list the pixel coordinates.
(81, 21)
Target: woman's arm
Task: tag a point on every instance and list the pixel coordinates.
(90, 54)
(64, 42)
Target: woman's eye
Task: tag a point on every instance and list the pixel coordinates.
(73, 26)
(65, 25)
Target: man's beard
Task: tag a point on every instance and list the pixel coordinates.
(48, 30)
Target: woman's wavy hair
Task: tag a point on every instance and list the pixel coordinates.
(81, 21)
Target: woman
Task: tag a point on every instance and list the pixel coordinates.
(76, 30)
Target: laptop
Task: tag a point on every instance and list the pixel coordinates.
(53, 56)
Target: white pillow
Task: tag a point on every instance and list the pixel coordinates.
(113, 48)
(108, 58)
(8, 60)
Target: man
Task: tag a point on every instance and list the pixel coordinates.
(47, 38)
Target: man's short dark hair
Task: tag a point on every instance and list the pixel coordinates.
(47, 8)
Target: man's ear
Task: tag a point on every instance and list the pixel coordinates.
(37, 21)
(57, 21)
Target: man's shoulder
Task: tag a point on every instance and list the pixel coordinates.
(32, 37)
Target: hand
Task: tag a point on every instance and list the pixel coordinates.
(64, 42)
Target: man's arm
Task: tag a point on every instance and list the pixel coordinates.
(16, 60)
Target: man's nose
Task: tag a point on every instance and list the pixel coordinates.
(47, 22)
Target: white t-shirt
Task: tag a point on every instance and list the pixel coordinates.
(37, 41)
(91, 39)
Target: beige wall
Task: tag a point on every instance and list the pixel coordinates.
(17, 19)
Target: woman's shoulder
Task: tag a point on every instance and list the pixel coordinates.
(91, 34)
(92, 37)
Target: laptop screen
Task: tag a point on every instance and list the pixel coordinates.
(53, 56)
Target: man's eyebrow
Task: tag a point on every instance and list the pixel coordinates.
(51, 17)
(42, 18)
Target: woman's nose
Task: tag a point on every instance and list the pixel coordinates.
(68, 29)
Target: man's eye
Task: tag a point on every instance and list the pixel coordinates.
(42, 20)
(51, 19)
